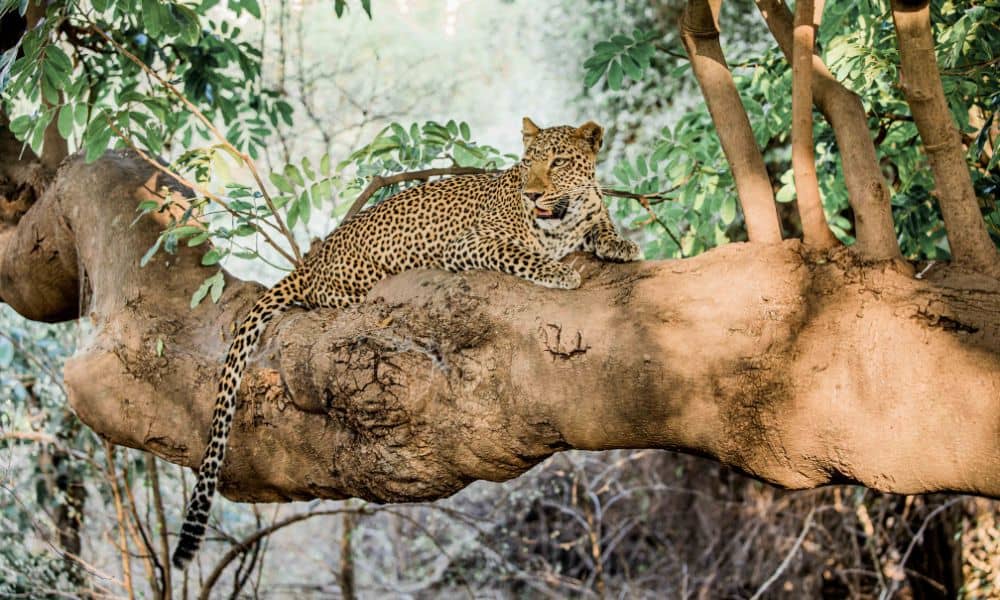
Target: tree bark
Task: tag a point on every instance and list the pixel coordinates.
(797, 372)
(921, 83)
(815, 231)
(700, 35)
(842, 108)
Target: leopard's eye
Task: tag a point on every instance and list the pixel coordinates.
(526, 162)
(558, 162)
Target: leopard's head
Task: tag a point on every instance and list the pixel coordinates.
(557, 168)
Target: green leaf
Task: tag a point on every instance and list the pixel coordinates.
(785, 194)
(324, 165)
(50, 89)
(159, 346)
(598, 60)
(212, 257)
(57, 61)
(218, 283)
(466, 133)
(151, 17)
(185, 231)
(621, 40)
(96, 138)
(615, 75)
(592, 77)
(199, 239)
(293, 215)
(307, 169)
(631, 67)
(200, 293)
(304, 206)
(149, 253)
(607, 48)
(80, 114)
(281, 183)
(20, 125)
(727, 212)
(65, 123)
(252, 7)
(292, 173)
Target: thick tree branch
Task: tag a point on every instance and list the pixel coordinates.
(700, 34)
(748, 354)
(921, 82)
(842, 108)
(815, 231)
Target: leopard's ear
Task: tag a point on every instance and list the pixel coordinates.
(528, 131)
(592, 133)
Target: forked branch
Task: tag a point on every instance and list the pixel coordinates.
(700, 34)
(842, 108)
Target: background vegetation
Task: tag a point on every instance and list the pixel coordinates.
(311, 100)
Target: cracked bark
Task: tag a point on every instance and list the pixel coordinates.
(798, 370)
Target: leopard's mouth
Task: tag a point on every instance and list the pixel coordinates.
(557, 211)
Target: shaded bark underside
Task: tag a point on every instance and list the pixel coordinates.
(798, 368)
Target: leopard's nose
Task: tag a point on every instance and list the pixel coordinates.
(533, 196)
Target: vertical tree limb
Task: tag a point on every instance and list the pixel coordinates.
(842, 108)
(921, 82)
(815, 231)
(700, 35)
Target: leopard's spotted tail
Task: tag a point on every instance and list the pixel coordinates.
(283, 295)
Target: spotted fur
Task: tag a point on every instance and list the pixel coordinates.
(520, 221)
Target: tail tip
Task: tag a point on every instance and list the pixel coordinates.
(182, 556)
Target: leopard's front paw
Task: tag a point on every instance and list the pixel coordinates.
(618, 250)
(556, 275)
(567, 279)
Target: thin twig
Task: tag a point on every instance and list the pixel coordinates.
(379, 181)
(788, 557)
(247, 542)
(214, 130)
(917, 537)
(109, 453)
(150, 561)
(161, 522)
(204, 192)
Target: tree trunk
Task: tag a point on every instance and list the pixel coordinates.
(799, 371)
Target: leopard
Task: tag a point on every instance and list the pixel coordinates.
(520, 221)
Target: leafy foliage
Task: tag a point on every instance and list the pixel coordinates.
(620, 56)
(865, 59)
(397, 148)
